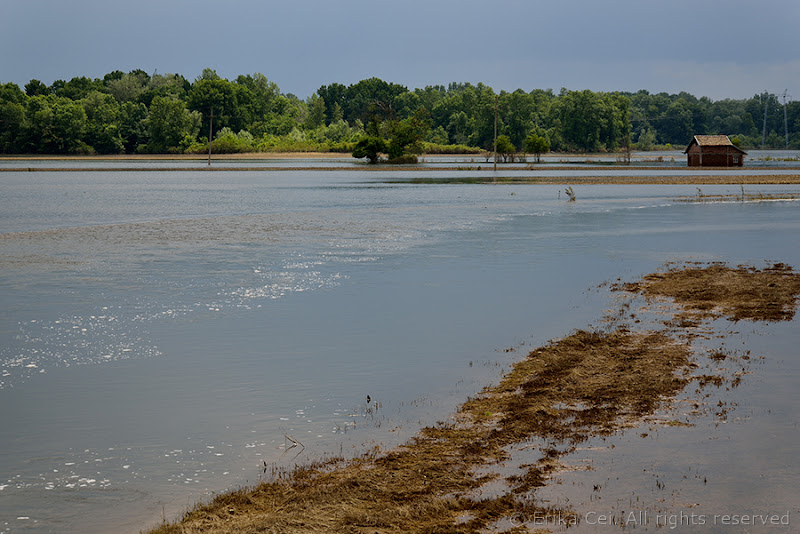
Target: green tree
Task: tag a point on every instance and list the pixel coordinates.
(335, 98)
(264, 91)
(211, 94)
(537, 145)
(505, 147)
(111, 76)
(581, 119)
(133, 127)
(458, 128)
(78, 87)
(10, 92)
(54, 125)
(430, 96)
(589, 121)
(170, 125)
(338, 113)
(438, 136)
(35, 88)
(173, 86)
(615, 125)
(12, 118)
(128, 87)
(406, 137)
(102, 123)
(481, 100)
(371, 96)
(677, 124)
(316, 112)
(406, 105)
(647, 140)
(228, 142)
(335, 134)
(257, 100)
(517, 115)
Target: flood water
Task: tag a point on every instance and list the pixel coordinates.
(165, 335)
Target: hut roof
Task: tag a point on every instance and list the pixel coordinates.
(713, 140)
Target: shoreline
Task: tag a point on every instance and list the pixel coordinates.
(588, 384)
(500, 179)
(456, 174)
(178, 157)
(777, 179)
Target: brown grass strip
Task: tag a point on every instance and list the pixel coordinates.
(736, 293)
(666, 179)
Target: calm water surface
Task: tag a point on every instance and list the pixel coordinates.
(163, 336)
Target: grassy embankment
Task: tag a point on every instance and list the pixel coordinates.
(262, 162)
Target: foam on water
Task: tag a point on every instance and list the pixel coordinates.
(279, 284)
(119, 332)
(71, 340)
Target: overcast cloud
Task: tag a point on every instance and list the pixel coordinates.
(730, 49)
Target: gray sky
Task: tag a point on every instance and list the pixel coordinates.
(719, 49)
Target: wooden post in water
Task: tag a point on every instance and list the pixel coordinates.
(764, 131)
(210, 128)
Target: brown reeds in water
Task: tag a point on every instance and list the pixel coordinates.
(587, 384)
(737, 293)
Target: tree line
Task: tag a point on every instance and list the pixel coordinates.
(139, 113)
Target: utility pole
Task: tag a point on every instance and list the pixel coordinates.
(785, 118)
(495, 136)
(210, 129)
(764, 131)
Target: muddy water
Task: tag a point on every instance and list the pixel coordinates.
(165, 336)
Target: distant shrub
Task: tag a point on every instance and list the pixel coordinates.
(434, 148)
(194, 148)
(285, 143)
(438, 136)
(343, 147)
(227, 142)
(404, 159)
(335, 133)
(647, 140)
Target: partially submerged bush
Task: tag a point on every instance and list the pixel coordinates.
(370, 148)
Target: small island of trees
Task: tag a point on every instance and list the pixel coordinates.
(139, 113)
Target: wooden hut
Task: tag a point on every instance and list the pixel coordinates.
(714, 151)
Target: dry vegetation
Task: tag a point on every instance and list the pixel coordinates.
(736, 293)
(264, 162)
(743, 197)
(667, 179)
(587, 384)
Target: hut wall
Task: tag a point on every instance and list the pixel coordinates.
(714, 157)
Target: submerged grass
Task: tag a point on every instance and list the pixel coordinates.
(676, 178)
(587, 384)
(743, 197)
(737, 293)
